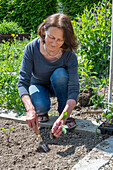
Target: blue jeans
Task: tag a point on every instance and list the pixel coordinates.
(40, 95)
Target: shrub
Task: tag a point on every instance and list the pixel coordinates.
(3, 9)
(93, 29)
(75, 7)
(29, 13)
(10, 28)
(72, 8)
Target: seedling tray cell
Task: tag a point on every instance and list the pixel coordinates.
(106, 130)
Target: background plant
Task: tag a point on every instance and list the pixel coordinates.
(27, 13)
(90, 83)
(107, 115)
(10, 62)
(87, 78)
(97, 99)
(72, 8)
(3, 9)
(10, 28)
(90, 29)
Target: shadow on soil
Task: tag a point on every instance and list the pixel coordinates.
(71, 142)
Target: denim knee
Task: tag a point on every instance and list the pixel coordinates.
(41, 106)
(40, 100)
(59, 76)
(59, 83)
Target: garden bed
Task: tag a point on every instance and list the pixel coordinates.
(23, 151)
(10, 37)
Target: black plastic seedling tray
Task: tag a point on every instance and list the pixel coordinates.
(106, 130)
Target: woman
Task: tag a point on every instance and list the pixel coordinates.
(50, 68)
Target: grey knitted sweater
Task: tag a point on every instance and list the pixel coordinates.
(36, 69)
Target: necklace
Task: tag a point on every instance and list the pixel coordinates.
(51, 55)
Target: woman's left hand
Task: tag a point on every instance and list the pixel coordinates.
(57, 129)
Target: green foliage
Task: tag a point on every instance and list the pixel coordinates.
(3, 9)
(90, 82)
(107, 115)
(87, 77)
(90, 29)
(73, 8)
(10, 28)
(97, 99)
(10, 61)
(28, 13)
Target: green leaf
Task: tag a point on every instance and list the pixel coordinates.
(64, 115)
(103, 115)
(2, 128)
(108, 117)
(64, 130)
(64, 126)
(111, 109)
(10, 129)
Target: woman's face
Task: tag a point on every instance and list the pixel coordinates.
(54, 38)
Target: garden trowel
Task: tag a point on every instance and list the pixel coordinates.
(40, 140)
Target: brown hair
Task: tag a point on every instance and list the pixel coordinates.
(64, 22)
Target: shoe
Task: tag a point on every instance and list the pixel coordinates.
(44, 117)
(69, 120)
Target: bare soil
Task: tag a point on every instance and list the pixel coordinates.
(23, 153)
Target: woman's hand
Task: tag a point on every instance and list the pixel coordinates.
(57, 129)
(32, 119)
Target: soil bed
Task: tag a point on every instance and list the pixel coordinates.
(23, 151)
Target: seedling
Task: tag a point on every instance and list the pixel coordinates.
(7, 134)
(64, 127)
(107, 115)
(96, 132)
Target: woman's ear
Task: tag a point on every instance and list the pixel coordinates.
(43, 32)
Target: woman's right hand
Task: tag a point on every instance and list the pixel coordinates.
(32, 119)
